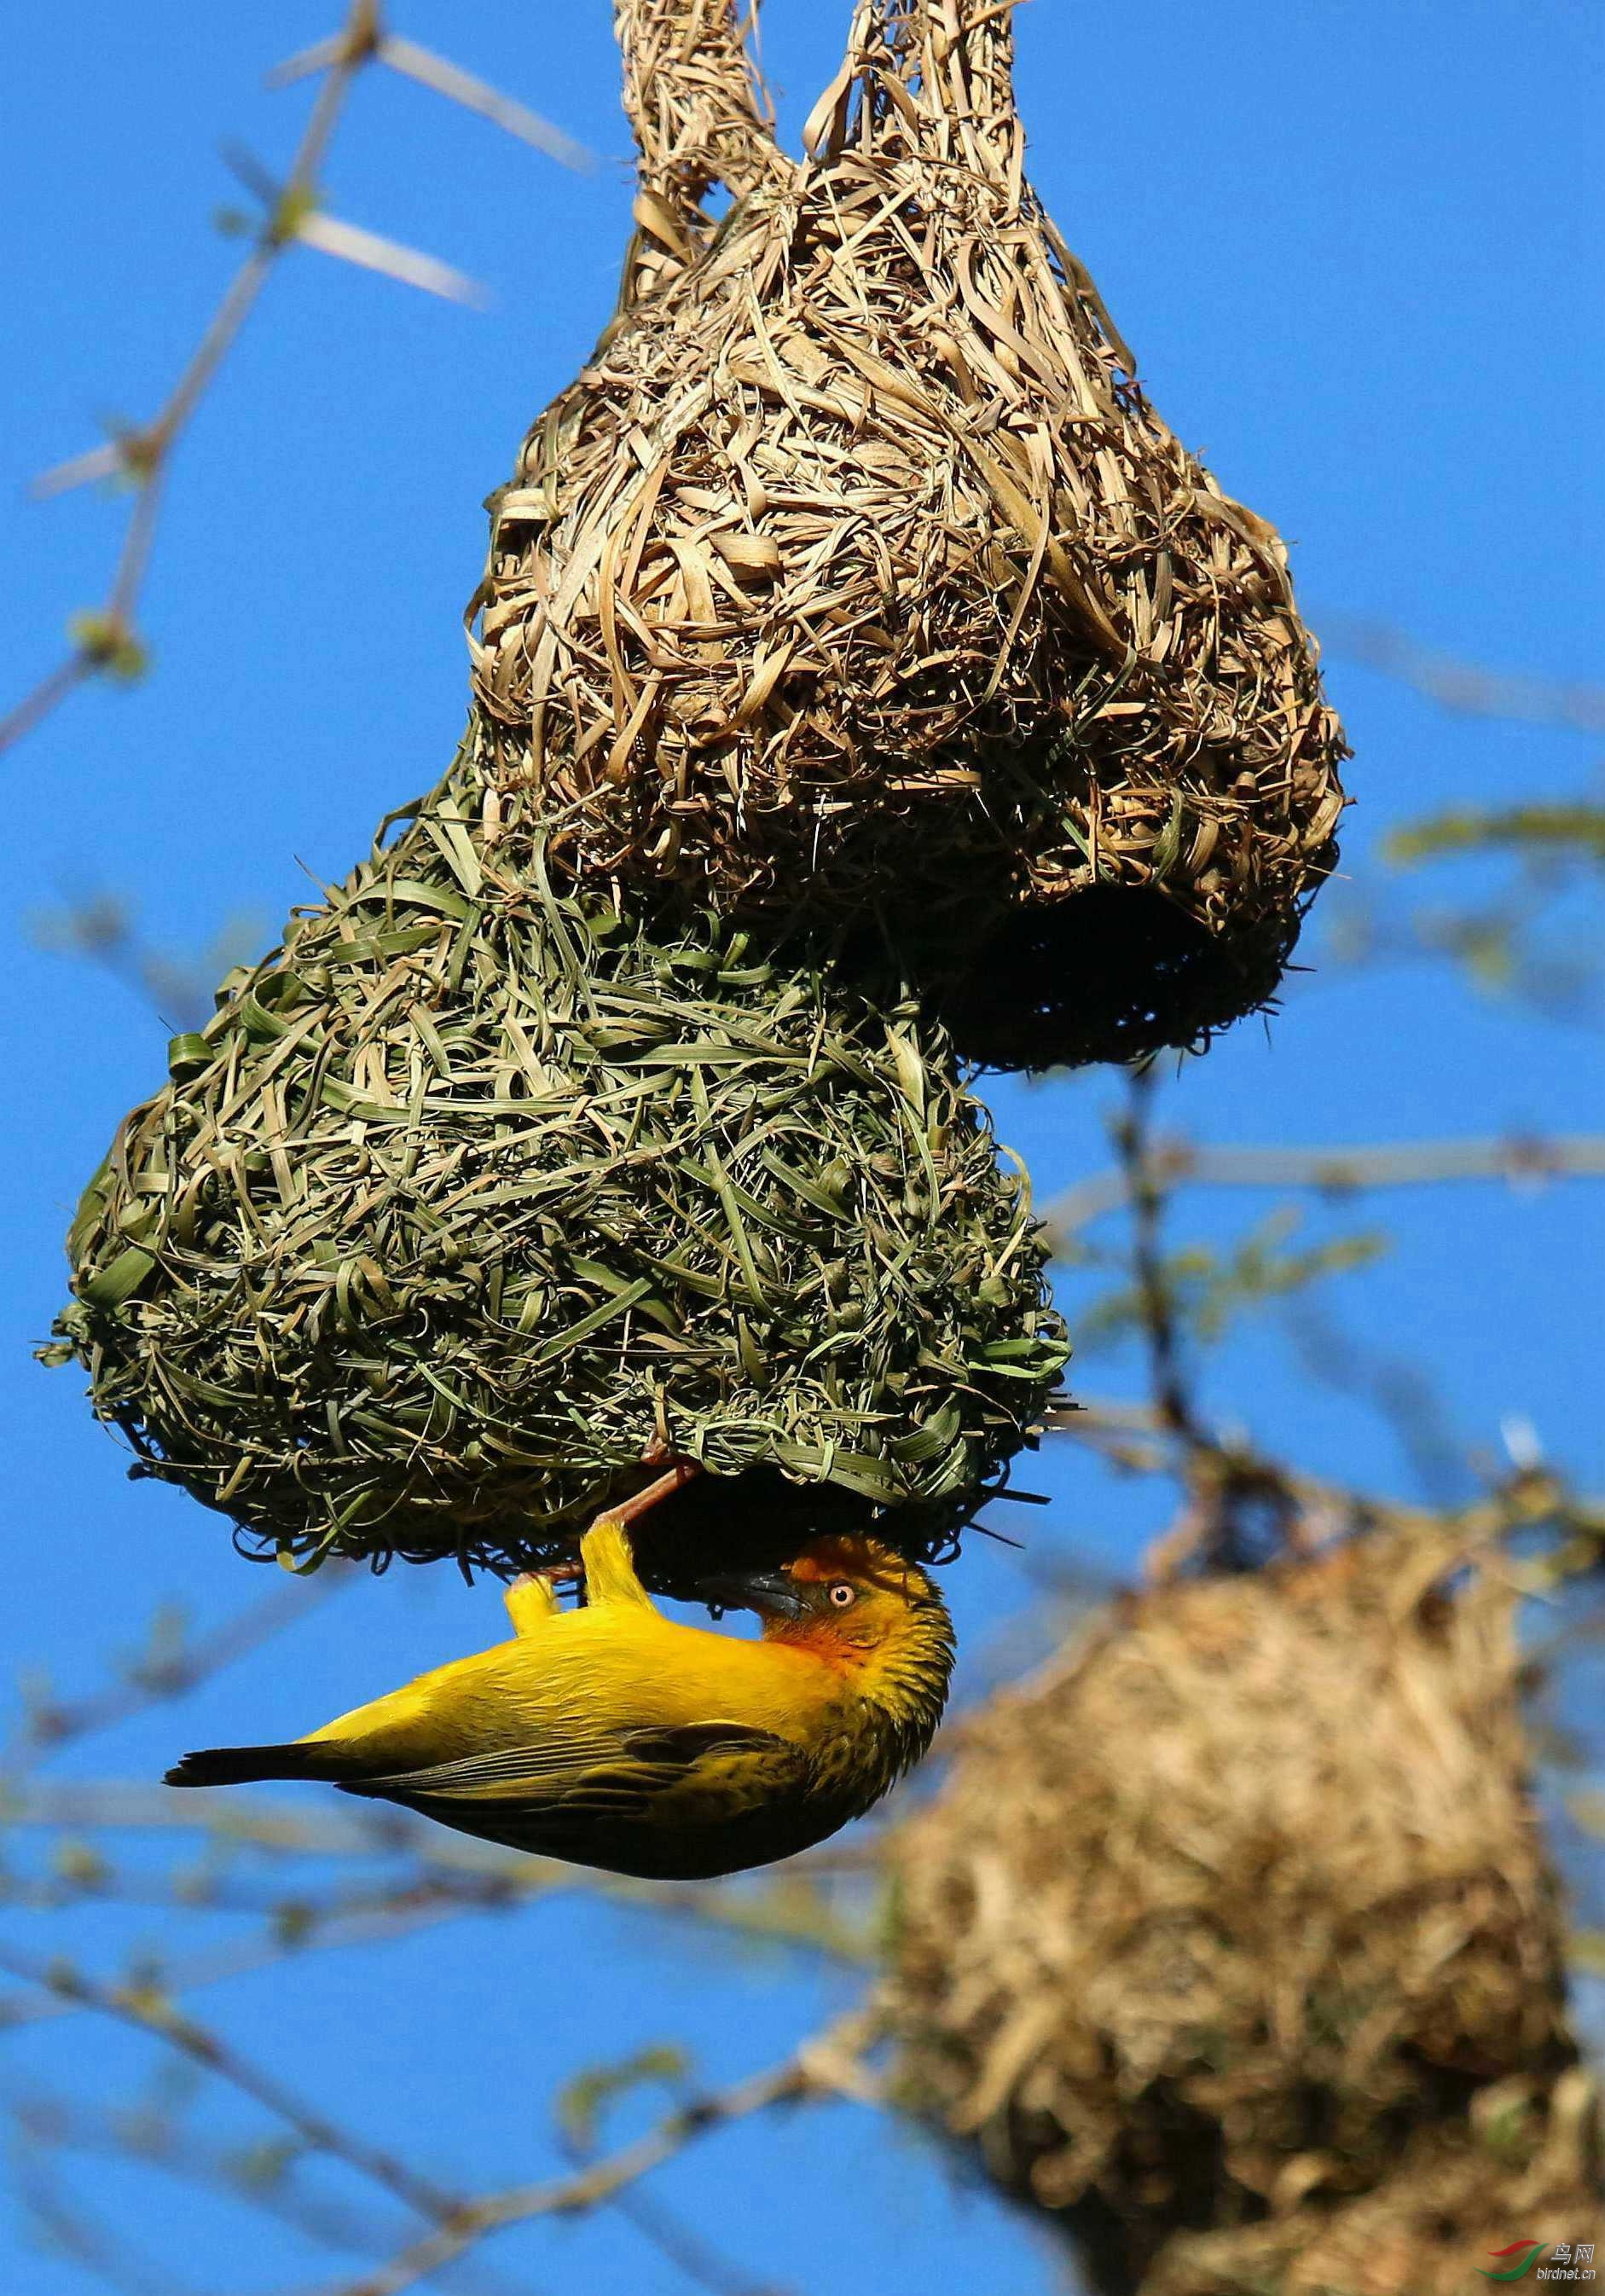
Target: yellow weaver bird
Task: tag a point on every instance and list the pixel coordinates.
(613, 1736)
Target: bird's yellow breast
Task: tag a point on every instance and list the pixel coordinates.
(591, 1675)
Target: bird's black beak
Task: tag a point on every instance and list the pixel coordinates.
(770, 1593)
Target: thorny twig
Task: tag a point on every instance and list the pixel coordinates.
(1145, 1192)
(1314, 1510)
(104, 2252)
(174, 2146)
(151, 2013)
(285, 1938)
(788, 1913)
(1222, 1491)
(1464, 687)
(832, 2063)
(179, 990)
(1169, 1164)
(1238, 1503)
(829, 2065)
(679, 2243)
(107, 641)
(50, 1723)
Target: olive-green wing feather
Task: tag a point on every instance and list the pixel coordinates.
(616, 1776)
(666, 1802)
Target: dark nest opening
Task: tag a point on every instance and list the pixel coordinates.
(764, 1516)
(1113, 973)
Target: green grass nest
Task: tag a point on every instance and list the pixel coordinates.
(471, 1196)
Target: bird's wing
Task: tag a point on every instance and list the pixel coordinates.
(515, 1771)
(617, 1775)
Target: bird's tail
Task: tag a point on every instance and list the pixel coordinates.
(236, 1766)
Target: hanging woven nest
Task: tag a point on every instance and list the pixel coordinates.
(473, 1197)
(1232, 1947)
(857, 578)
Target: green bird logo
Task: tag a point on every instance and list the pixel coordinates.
(1525, 2253)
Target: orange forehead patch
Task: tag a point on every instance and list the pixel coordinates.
(863, 1560)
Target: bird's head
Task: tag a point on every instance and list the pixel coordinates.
(864, 1608)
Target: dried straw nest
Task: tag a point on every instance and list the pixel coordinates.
(472, 1195)
(856, 575)
(702, 119)
(1231, 1942)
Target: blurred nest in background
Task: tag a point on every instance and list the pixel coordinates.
(1231, 1942)
(472, 1197)
(855, 578)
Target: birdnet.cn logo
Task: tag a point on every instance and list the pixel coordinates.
(1541, 2260)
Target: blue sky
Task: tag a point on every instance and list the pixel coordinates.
(1355, 249)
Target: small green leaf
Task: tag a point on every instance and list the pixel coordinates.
(580, 2103)
(108, 644)
(112, 1285)
(188, 1056)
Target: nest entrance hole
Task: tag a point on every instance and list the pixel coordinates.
(764, 1517)
(1111, 973)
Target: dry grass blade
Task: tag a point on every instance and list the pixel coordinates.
(701, 116)
(475, 1195)
(857, 575)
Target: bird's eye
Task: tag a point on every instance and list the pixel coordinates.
(841, 1594)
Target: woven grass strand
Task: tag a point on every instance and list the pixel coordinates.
(472, 1195)
(858, 578)
(701, 116)
(1232, 1944)
(957, 59)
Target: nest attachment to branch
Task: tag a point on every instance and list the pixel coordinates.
(1232, 1945)
(702, 119)
(857, 576)
(472, 1197)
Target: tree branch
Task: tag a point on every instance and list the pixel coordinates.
(1145, 1186)
(1464, 687)
(829, 2065)
(1520, 1159)
(50, 1723)
(162, 2141)
(1530, 1498)
(449, 1879)
(153, 2014)
(106, 641)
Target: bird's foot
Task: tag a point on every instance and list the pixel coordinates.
(641, 1501)
(531, 1600)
